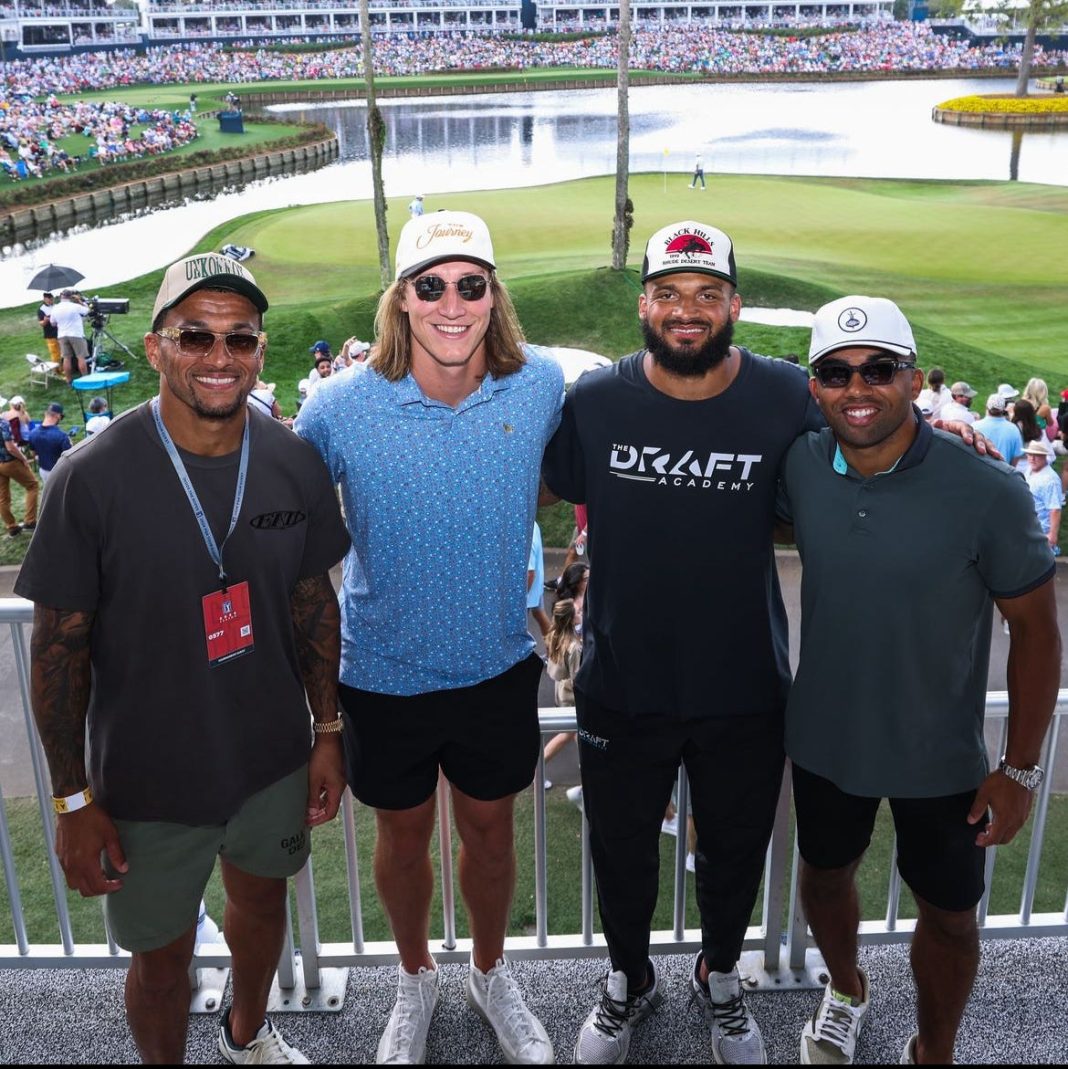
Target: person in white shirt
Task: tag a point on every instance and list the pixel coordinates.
(68, 318)
(960, 407)
(98, 417)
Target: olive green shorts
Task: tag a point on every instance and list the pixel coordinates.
(169, 864)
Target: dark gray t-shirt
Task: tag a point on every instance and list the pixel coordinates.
(899, 573)
(684, 616)
(172, 738)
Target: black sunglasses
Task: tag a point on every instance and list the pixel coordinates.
(432, 287)
(836, 375)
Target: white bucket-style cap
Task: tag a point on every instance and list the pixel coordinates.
(690, 246)
(440, 236)
(853, 321)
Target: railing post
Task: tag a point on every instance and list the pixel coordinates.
(448, 899)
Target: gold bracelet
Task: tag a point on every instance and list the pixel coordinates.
(73, 802)
(329, 727)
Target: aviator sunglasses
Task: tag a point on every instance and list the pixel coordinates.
(192, 342)
(432, 287)
(836, 375)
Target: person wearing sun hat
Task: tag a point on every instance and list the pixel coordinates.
(1046, 490)
(437, 448)
(873, 713)
(207, 685)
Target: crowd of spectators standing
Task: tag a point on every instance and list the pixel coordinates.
(877, 49)
(31, 132)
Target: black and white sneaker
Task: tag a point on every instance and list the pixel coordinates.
(605, 1037)
(736, 1038)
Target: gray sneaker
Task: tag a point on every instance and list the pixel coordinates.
(736, 1038)
(605, 1037)
(831, 1034)
(404, 1040)
(496, 998)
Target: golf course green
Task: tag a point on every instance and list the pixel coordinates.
(979, 267)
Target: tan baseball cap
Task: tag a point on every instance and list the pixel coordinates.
(202, 270)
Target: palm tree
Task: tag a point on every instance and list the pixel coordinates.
(624, 215)
(376, 137)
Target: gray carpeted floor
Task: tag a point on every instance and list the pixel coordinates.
(1017, 1014)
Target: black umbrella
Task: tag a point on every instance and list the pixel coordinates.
(54, 277)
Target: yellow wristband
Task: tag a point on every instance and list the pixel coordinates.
(329, 727)
(72, 803)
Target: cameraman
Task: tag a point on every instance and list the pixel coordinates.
(68, 316)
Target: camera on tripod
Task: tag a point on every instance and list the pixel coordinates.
(102, 307)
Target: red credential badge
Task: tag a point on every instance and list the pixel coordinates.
(228, 624)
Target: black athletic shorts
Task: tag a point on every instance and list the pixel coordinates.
(936, 852)
(485, 738)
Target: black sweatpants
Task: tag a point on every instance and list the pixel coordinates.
(629, 765)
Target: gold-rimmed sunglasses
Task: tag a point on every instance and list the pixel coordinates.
(198, 343)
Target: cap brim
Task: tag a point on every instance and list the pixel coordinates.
(415, 269)
(853, 343)
(690, 271)
(232, 283)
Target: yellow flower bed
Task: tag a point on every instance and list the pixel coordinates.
(1005, 105)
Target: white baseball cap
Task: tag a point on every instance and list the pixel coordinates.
(995, 403)
(1008, 392)
(857, 320)
(440, 236)
(690, 246)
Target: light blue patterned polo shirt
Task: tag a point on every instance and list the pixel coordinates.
(440, 504)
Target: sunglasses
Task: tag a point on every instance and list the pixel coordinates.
(432, 287)
(192, 342)
(836, 375)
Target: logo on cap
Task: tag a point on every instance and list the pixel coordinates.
(442, 231)
(852, 320)
(688, 244)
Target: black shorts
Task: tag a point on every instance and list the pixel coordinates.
(936, 852)
(485, 738)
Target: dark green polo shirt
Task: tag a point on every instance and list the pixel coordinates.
(899, 575)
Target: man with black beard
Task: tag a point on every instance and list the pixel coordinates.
(685, 636)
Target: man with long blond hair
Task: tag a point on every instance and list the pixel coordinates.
(437, 449)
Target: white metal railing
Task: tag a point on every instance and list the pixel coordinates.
(311, 973)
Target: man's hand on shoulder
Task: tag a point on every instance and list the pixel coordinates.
(969, 436)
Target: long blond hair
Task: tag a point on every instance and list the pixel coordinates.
(562, 634)
(1037, 392)
(393, 347)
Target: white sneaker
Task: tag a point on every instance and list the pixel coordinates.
(691, 862)
(574, 795)
(736, 1038)
(908, 1055)
(604, 1038)
(267, 1048)
(404, 1040)
(496, 998)
(207, 929)
(830, 1036)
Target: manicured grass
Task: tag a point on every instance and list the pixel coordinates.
(564, 884)
(978, 267)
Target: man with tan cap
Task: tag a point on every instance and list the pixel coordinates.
(185, 621)
(960, 406)
(873, 713)
(1046, 490)
(679, 481)
(437, 448)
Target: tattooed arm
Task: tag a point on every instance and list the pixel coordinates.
(59, 686)
(317, 629)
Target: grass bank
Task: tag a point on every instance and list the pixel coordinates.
(978, 267)
(564, 864)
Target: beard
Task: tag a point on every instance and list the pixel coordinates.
(689, 363)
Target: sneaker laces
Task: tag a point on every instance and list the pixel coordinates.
(271, 1049)
(731, 1016)
(408, 1009)
(834, 1022)
(506, 999)
(613, 1014)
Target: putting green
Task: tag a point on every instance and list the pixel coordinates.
(980, 262)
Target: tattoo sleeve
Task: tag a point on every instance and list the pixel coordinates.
(59, 692)
(317, 628)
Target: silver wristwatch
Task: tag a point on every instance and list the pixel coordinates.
(1031, 778)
